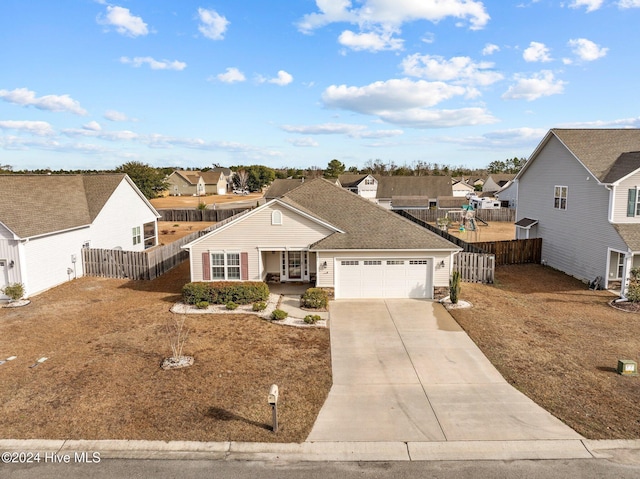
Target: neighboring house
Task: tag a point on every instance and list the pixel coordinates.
(363, 185)
(579, 192)
(281, 186)
(496, 181)
(197, 183)
(228, 176)
(461, 188)
(46, 220)
(429, 188)
(508, 194)
(322, 234)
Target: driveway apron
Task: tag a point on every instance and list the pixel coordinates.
(403, 370)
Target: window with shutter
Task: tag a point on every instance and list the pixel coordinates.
(631, 202)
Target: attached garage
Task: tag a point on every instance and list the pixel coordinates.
(384, 278)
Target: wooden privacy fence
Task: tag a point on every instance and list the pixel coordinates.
(514, 251)
(431, 215)
(474, 267)
(192, 214)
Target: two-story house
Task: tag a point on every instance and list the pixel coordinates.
(579, 192)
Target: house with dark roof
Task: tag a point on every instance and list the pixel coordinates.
(361, 184)
(322, 234)
(496, 181)
(579, 192)
(197, 183)
(42, 234)
(281, 186)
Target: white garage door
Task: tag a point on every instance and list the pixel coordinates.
(384, 278)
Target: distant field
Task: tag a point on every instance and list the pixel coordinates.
(193, 201)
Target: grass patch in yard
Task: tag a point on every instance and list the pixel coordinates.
(105, 340)
(559, 343)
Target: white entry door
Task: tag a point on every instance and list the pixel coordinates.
(384, 278)
(4, 277)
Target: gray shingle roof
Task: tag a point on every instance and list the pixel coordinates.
(600, 149)
(352, 179)
(365, 224)
(429, 186)
(34, 205)
(281, 186)
(630, 234)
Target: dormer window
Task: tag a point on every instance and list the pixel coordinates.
(276, 217)
(369, 181)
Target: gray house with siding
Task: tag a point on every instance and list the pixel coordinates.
(579, 193)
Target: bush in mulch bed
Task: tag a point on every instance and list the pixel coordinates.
(223, 292)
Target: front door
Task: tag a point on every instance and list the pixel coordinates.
(295, 264)
(4, 277)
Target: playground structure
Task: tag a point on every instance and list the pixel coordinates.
(466, 220)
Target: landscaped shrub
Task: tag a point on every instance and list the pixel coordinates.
(202, 304)
(633, 291)
(312, 318)
(15, 291)
(279, 315)
(222, 292)
(259, 306)
(454, 287)
(315, 298)
(231, 305)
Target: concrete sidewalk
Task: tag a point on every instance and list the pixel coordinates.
(404, 371)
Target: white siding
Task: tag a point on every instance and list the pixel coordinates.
(620, 197)
(48, 258)
(9, 252)
(113, 225)
(254, 233)
(574, 240)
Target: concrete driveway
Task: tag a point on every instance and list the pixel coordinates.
(403, 370)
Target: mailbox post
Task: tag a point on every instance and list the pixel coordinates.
(273, 401)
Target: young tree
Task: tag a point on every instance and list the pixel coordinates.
(149, 180)
(334, 169)
(241, 179)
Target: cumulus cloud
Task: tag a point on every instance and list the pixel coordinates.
(26, 97)
(490, 49)
(213, 25)
(303, 142)
(591, 5)
(121, 135)
(124, 22)
(586, 50)
(282, 79)
(348, 129)
(629, 4)
(539, 85)
(154, 64)
(633, 122)
(370, 41)
(461, 70)
(231, 75)
(113, 115)
(92, 126)
(40, 128)
(393, 13)
(536, 52)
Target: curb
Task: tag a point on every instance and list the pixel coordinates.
(629, 450)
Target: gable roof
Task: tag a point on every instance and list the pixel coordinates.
(429, 186)
(211, 177)
(599, 150)
(193, 176)
(55, 202)
(281, 186)
(365, 225)
(353, 179)
(501, 179)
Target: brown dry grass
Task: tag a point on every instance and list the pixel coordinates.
(170, 231)
(559, 343)
(496, 231)
(193, 201)
(105, 340)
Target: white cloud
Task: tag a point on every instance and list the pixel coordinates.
(457, 69)
(92, 126)
(282, 79)
(26, 97)
(113, 115)
(633, 122)
(350, 130)
(587, 50)
(370, 41)
(121, 135)
(490, 49)
(40, 128)
(303, 142)
(591, 5)
(213, 24)
(393, 13)
(124, 21)
(521, 138)
(154, 64)
(231, 75)
(536, 52)
(629, 4)
(424, 118)
(539, 85)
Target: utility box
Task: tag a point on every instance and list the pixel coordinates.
(627, 367)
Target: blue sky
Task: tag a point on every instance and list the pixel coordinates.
(94, 84)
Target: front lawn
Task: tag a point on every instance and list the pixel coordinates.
(559, 343)
(105, 340)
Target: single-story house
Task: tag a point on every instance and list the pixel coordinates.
(197, 183)
(324, 235)
(46, 220)
(579, 192)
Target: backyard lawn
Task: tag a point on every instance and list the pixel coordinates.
(559, 343)
(105, 340)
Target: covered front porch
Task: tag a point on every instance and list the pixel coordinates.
(288, 265)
